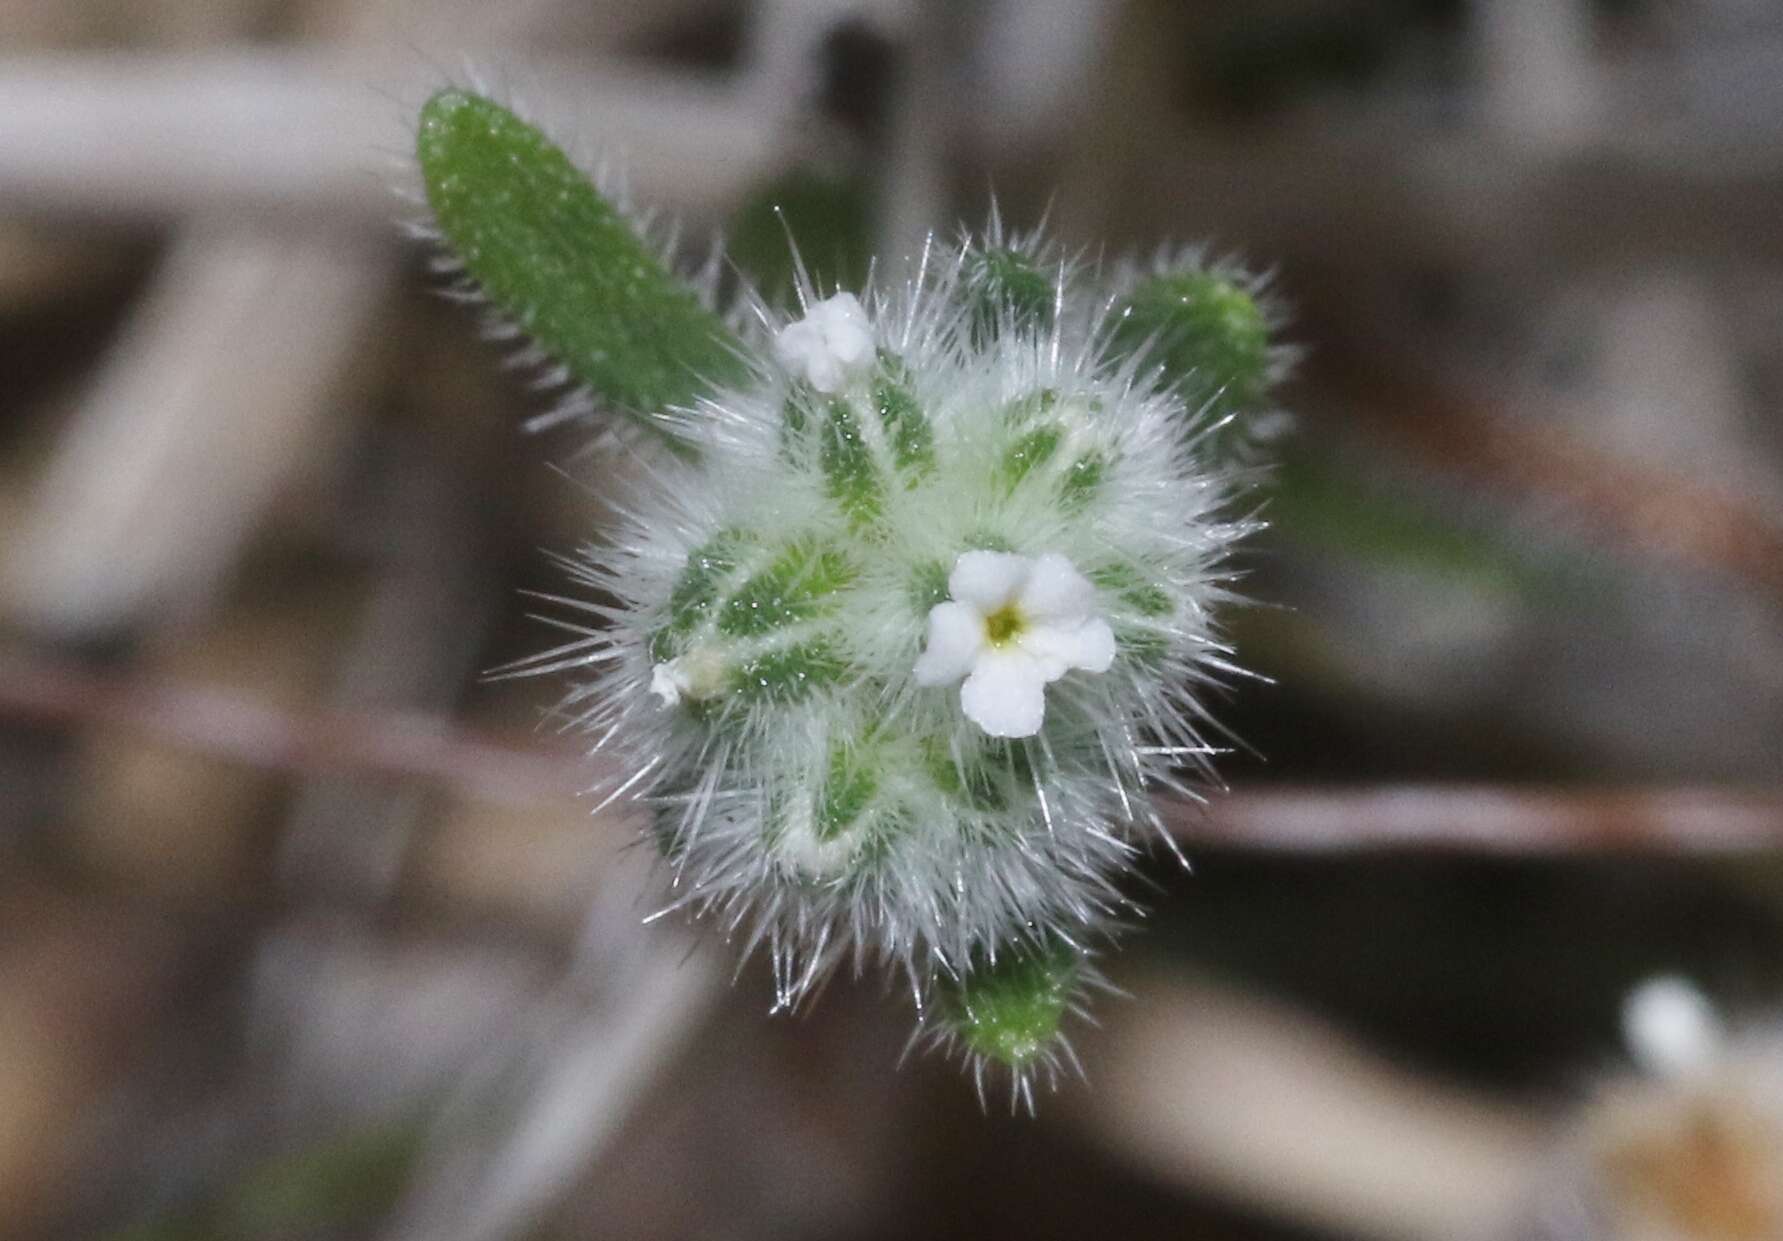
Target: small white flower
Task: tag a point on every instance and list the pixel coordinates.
(698, 674)
(830, 345)
(1671, 1028)
(1014, 625)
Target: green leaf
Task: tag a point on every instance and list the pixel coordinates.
(564, 262)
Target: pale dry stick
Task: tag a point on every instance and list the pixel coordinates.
(923, 124)
(597, 1073)
(1212, 1090)
(630, 1012)
(392, 744)
(398, 745)
(218, 386)
(1485, 819)
(443, 29)
(781, 65)
(282, 134)
(1035, 63)
(1538, 69)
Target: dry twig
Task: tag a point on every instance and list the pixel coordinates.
(416, 746)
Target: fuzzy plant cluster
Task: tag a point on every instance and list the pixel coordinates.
(914, 612)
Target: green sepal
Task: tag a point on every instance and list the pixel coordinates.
(1003, 287)
(1208, 333)
(928, 586)
(906, 423)
(564, 263)
(707, 568)
(849, 471)
(791, 673)
(1009, 1012)
(1082, 481)
(1035, 448)
(848, 788)
(800, 583)
(988, 776)
(1136, 593)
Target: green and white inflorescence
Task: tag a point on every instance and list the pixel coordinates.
(901, 640)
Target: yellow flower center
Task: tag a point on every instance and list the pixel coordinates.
(1003, 625)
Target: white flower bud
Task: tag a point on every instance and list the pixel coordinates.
(830, 346)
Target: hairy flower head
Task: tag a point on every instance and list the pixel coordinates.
(899, 656)
(897, 643)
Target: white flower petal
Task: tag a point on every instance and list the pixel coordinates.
(988, 580)
(956, 636)
(1055, 591)
(1050, 649)
(1059, 648)
(1096, 654)
(1006, 694)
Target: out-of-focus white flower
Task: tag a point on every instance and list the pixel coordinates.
(1671, 1028)
(831, 345)
(1015, 624)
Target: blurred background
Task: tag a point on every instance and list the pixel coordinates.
(303, 931)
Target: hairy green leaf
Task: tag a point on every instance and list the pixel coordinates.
(563, 262)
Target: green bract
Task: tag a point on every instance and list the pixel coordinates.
(1005, 286)
(1207, 331)
(1009, 1011)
